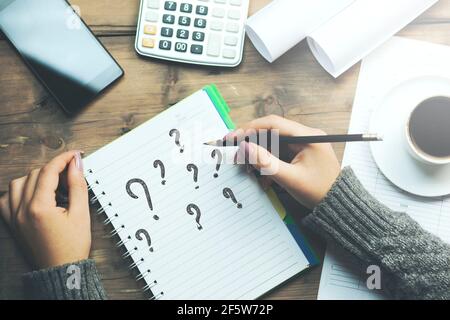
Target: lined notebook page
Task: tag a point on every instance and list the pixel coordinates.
(398, 60)
(229, 252)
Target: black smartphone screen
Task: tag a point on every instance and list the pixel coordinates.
(60, 49)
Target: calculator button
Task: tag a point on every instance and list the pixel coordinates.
(198, 36)
(186, 7)
(234, 14)
(218, 12)
(229, 53)
(166, 32)
(214, 43)
(200, 23)
(180, 47)
(170, 5)
(203, 10)
(182, 34)
(150, 29)
(168, 18)
(231, 40)
(235, 2)
(220, 1)
(216, 25)
(196, 49)
(165, 45)
(233, 27)
(151, 16)
(184, 21)
(148, 43)
(153, 4)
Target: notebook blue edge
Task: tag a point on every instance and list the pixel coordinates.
(223, 109)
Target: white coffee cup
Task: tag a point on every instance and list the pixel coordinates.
(429, 121)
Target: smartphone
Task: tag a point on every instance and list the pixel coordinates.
(60, 49)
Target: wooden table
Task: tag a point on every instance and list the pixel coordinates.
(33, 128)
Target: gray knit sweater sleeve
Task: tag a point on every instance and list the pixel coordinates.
(414, 263)
(76, 281)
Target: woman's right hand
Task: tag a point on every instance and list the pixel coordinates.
(310, 171)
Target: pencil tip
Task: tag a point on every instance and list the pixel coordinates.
(214, 143)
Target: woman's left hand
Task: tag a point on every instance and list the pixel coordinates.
(50, 235)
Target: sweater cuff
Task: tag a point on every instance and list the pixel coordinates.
(350, 216)
(73, 281)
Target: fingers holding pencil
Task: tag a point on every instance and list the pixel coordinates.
(298, 158)
(270, 136)
(307, 174)
(270, 128)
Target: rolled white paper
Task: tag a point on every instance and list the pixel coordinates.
(339, 32)
(359, 29)
(282, 24)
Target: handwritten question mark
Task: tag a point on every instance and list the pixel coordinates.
(190, 209)
(147, 193)
(159, 163)
(192, 167)
(142, 232)
(228, 193)
(177, 139)
(216, 153)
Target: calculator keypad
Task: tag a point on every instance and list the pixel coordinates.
(166, 32)
(168, 19)
(198, 36)
(182, 34)
(200, 23)
(196, 49)
(165, 45)
(202, 10)
(186, 7)
(170, 5)
(181, 46)
(197, 31)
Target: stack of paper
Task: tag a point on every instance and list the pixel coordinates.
(397, 61)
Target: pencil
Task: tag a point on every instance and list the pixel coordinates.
(305, 139)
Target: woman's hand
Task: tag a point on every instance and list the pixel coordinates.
(50, 235)
(309, 170)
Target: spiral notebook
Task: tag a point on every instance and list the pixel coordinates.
(194, 226)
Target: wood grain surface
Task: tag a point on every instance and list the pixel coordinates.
(33, 128)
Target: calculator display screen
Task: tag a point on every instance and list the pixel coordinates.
(59, 48)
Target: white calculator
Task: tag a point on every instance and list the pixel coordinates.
(207, 32)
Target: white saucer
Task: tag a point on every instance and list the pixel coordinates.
(392, 155)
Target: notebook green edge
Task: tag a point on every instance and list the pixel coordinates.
(223, 109)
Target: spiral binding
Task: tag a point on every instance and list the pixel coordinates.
(124, 239)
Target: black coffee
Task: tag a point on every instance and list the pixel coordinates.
(429, 127)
